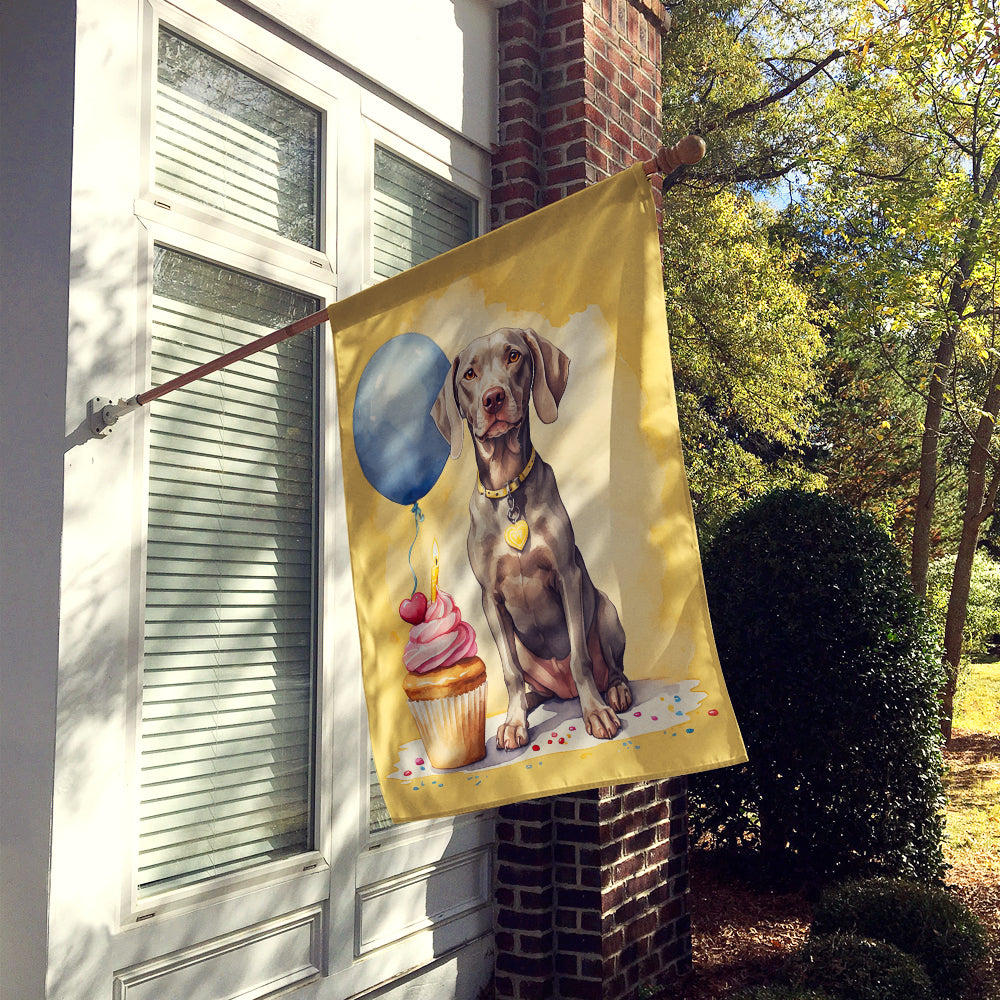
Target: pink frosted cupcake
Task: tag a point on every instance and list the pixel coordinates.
(445, 681)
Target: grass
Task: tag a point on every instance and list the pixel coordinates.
(974, 770)
(973, 811)
(978, 697)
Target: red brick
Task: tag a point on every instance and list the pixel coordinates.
(573, 988)
(569, 93)
(522, 130)
(521, 91)
(530, 944)
(571, 14)
(642, 882)
(520, 965)
(567, 174)
(551, 39)
(518, 49)
(520, 111)
(529, 899)
(554, 77)
(569, 132)
(553, 117)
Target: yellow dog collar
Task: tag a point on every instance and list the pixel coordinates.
(512, 485)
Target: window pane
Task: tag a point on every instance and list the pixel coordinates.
(228, 140)
(228, 656)
(416, 216)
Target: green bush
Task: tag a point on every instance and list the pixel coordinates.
(925, 922)
(983, 611)
(833, 673)
(856, 968)
(783, 993)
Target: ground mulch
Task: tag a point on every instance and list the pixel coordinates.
(742, 934)
(975, 877)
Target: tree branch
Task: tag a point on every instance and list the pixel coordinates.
(754, 106)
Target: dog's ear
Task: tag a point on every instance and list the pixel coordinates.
(447, 415)
(551, 376)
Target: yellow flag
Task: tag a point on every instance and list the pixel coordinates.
(526, 571)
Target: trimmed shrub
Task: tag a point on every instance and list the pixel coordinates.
(833, 672)
(783, 993)
(925, 922)
(856, 968)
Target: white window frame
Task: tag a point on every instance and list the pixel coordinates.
(177, 223)
(350, 873)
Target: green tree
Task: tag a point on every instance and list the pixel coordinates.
(746, 76)
(911, 188)
(878, 121)
(746, 354)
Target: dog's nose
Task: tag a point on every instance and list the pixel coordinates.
(493, 399)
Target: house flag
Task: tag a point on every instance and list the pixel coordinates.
(529, 592)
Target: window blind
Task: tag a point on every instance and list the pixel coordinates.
(415, 216)
(228, 655)
(228, 140)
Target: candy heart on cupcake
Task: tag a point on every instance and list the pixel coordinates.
(413, 609)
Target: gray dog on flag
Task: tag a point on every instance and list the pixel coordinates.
(557, 634)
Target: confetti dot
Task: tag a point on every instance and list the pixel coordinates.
(536, 747)
(561, 740)
(689, 730)
(572, 729)
(638, 715)
(555, 734)
(655, 718)
(406, 774)
(419, 761)
(713, 711)
(677, 697)
(550, 742)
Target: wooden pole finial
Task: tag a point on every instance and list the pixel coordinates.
(668, 158)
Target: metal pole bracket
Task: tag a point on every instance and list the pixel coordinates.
(103, 413)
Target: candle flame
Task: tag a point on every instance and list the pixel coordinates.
(434, 570)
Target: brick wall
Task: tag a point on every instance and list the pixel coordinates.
(591, 893)
(579, 96)
(591, 888)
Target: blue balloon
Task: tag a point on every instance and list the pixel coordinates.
(399, 446)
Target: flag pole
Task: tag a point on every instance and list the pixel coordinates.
(103, 413)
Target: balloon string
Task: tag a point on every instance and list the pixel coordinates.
(418, 516)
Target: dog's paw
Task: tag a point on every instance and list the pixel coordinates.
(602, 723)
(511, 735)
(619, 696)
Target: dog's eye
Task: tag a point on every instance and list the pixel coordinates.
(513, 356)
(470, 374)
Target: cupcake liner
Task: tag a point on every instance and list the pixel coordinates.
(453, 729)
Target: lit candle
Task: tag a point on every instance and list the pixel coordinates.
(434, 571)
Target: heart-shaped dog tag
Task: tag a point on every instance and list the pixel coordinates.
(517, 534)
